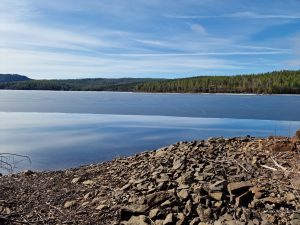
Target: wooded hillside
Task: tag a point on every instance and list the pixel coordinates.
(282, 82)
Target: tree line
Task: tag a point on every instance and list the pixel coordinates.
(280, 82)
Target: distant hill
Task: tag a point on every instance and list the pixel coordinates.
(278, 82)
(12, 77)
(90, 84)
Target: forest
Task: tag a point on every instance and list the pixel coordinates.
(89, 84)
(278, 82)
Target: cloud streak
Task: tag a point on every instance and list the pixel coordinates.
(237, 15)
(113, 38)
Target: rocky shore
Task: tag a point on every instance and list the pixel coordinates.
(244, 181)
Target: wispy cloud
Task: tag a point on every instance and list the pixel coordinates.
(237, 15)
(112, 38)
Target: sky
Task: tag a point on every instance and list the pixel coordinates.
(55, 39)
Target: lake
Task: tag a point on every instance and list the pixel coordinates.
(66, 129)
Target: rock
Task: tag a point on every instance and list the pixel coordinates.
(238, 188)
(169, 219)
(159, 222)
(295, 222)
(296, 215)
(188, 208)
(102, 207)
(218, 185)
(136, 209)
(165, 204)
(296, 182)
(75, 180)
(183, 186)
(195, 221)
(181, 219)
(177, 164)
(290, 197)
(257, 192)
(216, 195)
(69, 204)
(153, 213)
(85, 204)
(158, 197)
(125, 187)
(267, 219)
(221, 182)
(204, 214)
(272, 200)
(138, 220)
(88, 195)
(183, 194)
(88, 182)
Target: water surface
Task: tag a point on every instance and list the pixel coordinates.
(268, 107)
(67, 129)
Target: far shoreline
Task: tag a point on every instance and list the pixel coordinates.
(142, 92)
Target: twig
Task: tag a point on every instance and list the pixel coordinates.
(279, 166)
(18, 221)
(268, 167)
(59, 210)
(241, 165)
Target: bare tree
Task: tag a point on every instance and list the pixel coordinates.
(9, 162)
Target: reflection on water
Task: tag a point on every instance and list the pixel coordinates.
(56, 140)
(266, 107)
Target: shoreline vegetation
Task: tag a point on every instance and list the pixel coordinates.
(277, 82)
(242, 180)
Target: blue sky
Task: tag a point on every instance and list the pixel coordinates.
(148, 38)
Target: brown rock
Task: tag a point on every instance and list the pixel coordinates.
(238, 188)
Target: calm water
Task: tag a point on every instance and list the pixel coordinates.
(66, 129)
